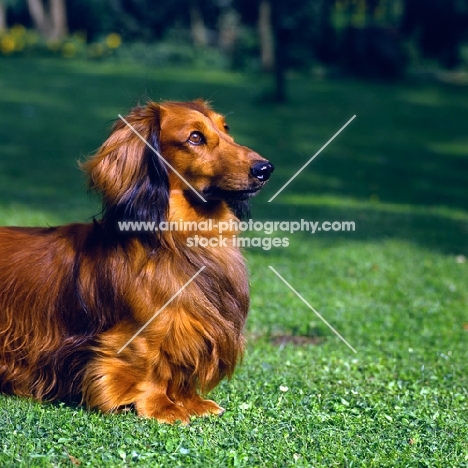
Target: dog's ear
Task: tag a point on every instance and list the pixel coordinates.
(127, 172)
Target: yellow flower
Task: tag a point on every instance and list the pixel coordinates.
(68, 50)
(113, 41)
(7, 45)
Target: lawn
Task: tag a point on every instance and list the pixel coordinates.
(395, 288)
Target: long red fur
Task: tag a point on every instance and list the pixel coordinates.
(72, 296)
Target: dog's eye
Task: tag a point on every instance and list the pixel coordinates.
(227, 128)
(196, 138)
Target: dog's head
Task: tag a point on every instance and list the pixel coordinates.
(182, 146)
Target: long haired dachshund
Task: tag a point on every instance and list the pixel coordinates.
(113, 319)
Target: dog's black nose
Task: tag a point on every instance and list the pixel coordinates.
(262, 170)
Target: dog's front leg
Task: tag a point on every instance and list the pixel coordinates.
(153, 401)
(115, 379)
(198, 406)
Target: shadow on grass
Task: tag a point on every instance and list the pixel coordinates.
(407, 145)
(431, 230)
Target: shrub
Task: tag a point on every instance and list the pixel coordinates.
(19, 41)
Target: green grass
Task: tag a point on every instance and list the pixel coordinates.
(396, 288)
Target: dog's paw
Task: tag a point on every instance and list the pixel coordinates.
(197, 406)
(164, 411)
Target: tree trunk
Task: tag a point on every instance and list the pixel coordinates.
(265, 33)
(3, 24)
(39, 17)
(280, 35)
(51, 24)
(58, 15)
(197, 26)
(228, 30)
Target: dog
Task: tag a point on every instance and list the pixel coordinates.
(118, 320)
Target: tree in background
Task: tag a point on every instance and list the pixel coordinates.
(3, 13)
(144, 20)
(370, 42)
(360, 36)
(50, 18)
(5, 6)
(439, 27)
(197, 24)
(265, 35)
(287, 34)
